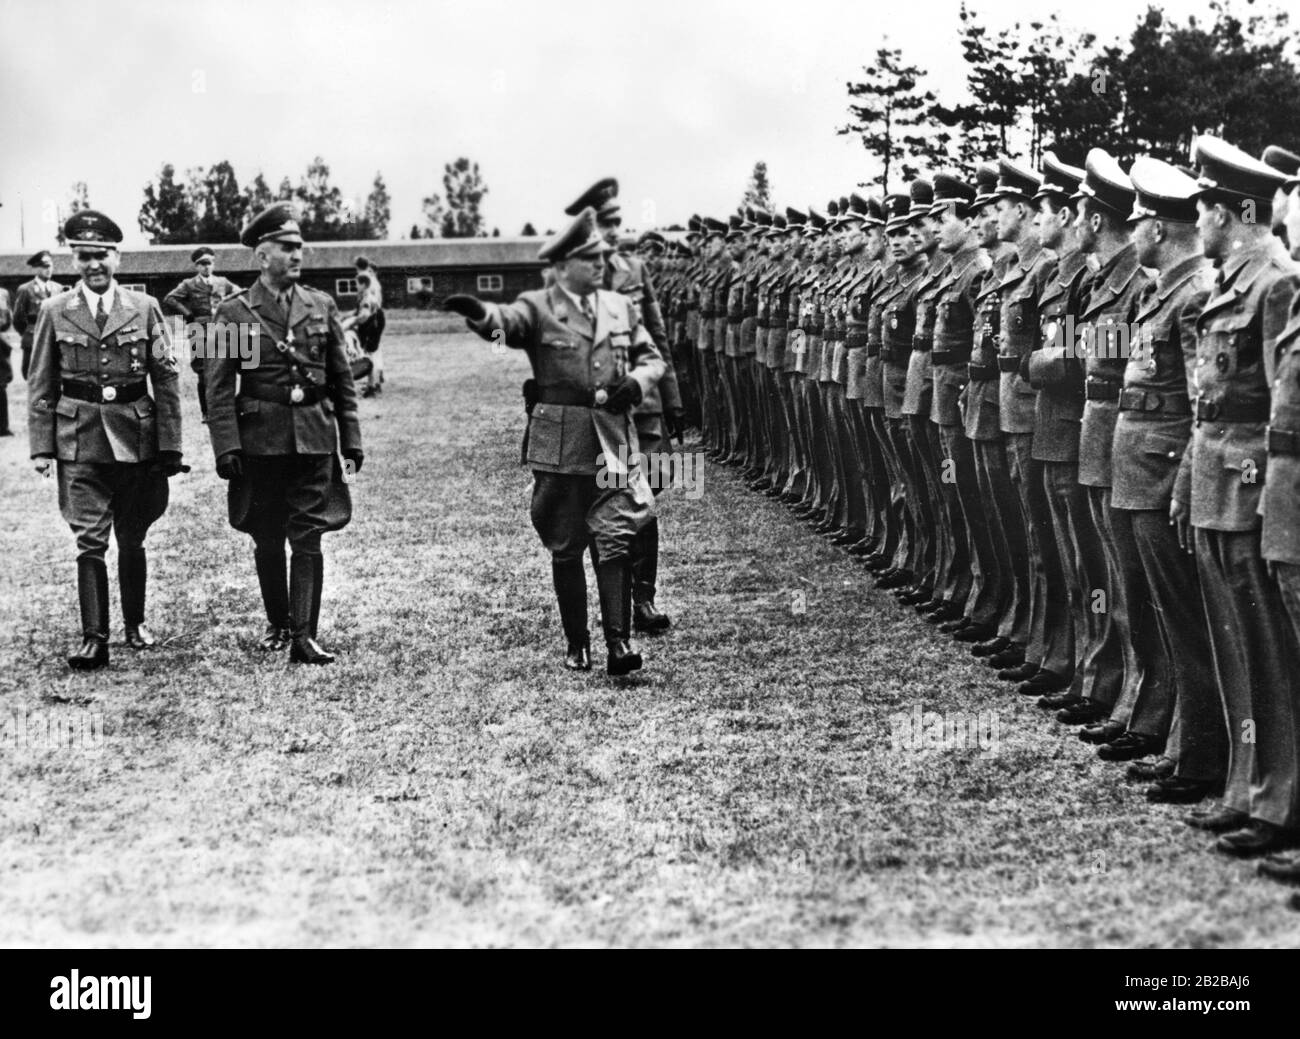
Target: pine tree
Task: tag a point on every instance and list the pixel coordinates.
(378, 210)
(758, 192)
(464, 189)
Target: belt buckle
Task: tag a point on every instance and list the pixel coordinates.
(109, 393)
(601, 398)
(296, 395)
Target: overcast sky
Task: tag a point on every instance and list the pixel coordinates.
(677, 98)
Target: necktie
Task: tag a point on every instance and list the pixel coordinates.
(587, 311)
(101, 315)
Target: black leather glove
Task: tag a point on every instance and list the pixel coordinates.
(624, 394)
(466, 306)
(230, 466)
(169, 464)
(356, 456)
(675, 422)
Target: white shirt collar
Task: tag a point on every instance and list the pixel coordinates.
(92, 298)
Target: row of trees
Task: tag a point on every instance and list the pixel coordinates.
(210, 206)
(1038, 86)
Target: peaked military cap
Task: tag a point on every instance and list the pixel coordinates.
(40, 259)
(582, 238)
(1059, 180)
(736, 228)
(875, 212)
(201, 252)
(91, 227)
(1014, 179)
(1105, 184)
(1162, 191)
(652, 238)
(763, 218)
(1227, 170)
(1285, 162)
(695, 225)
(950, 189)
(713, 226)
(276, 223)
(794, 217)
(779, 224)
(921, 192)
(833, 209)
(600, 197)
(816, 222)
(986, 183)
(897, 209)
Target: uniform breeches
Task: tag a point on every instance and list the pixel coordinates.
(571, 512)
(95, 498)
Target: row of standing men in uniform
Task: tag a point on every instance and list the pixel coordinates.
(1057, 412)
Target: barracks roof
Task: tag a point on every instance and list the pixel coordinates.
(232, 258)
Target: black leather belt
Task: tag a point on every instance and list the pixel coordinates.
(922, 344)
(764, 323)
(566, 396)
(93, 394)
(894, 354)
(1008, 364)
(944, 357)
(873, 349)
(777, 326)
(1098, 389)
(295, 395)
(1155, 403)
(1229, 411)
(811, 330)
(853, 340)
(981, 372)
(1283, 441)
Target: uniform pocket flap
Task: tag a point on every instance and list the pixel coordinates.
(74, 338)
(1167, 445)
(144, 407)
(545, 435)
(247, 405)
(555, 343)
(130, 334)
(66, 406)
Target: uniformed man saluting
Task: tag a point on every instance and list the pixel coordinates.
(278, 437)
(593, 362)
(89, 408)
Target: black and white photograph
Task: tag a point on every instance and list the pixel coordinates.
(661, 476)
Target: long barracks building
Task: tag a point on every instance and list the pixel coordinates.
(419, 273)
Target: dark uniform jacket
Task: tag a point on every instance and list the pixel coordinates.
(27, 305)
(196, 299)
(980, 401)
(1055, 369)
(1281, 500)
(70, 355)
(898, 329)
(1107, 318)
(1155, 413)
(954, 329)
(1021, 287)
(627, 275)
(862, 368)
(571, 360)
(919, 389)
(258, 415)
(1245, 315)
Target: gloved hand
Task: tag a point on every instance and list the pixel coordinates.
(356, 456)
(230, 466)
(674, 421)
(169, 464)
(44, 463)
(624, 394)
(466, 306)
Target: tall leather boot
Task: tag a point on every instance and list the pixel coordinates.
(571, 595)
(317, 586)
(92, 594)
(132, 577)
(645, 573)
(275, 597)
(306, 572)
(614, 583)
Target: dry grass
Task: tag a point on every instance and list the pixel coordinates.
(447, 782)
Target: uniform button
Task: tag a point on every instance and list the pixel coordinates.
(596, 365)
(105, 360)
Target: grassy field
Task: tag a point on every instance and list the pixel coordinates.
(446, 782)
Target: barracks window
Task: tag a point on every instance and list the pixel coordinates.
(490, 283)
(418, 285)
(134, 286)
(345, 286)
